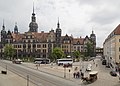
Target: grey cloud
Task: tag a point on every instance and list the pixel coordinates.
(105, 17)
(105, 13)
(90, 2)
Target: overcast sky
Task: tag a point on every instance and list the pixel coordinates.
(77, 17)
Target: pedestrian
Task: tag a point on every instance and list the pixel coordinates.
(119, 77)
(37, 67)
(76, 68)
(119, 71)
(39, 64)
(78, 75)
(96, 65)
(74, 75)
(116, 69)
(82, 75)
(80, 72)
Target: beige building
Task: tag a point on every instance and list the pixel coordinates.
(111, 47)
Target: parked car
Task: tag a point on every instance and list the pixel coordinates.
(113, 73)
(67, 65)
(104, 62)
(17, 61)
(90, 59)
(107, 66)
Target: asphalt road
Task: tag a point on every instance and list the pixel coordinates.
(47, 79)
(37, 77)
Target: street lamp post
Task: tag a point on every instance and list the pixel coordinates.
(80, 64)
(69, 73)
(27, 80)
(17, 53)
(64, 71)
(6, 68)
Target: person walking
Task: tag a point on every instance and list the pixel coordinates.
(96, 65)
(82, 75)
(78, 75)
(74, 75)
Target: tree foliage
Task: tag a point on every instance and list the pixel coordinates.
(89, 49)
(76, 54)
(57, 53)
(9, 51)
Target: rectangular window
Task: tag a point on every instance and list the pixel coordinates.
(39, 51)
(44, 45)
(28, 41)
(44, 51)
(20, 46)
(14, 46)
(38, 46)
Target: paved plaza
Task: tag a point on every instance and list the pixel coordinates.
(104, 78)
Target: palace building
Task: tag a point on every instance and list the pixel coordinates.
(40, 44)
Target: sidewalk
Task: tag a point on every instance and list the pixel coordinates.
(11, 79)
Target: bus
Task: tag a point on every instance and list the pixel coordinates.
(41, 61)
(65, 61)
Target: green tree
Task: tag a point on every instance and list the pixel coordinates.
(57, 54)
(9, 51)
(89, 49)
(76, 54)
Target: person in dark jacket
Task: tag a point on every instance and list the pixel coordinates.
(74, 75)
(82, 75)
(78, 75)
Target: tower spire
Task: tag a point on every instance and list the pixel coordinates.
(3, 25)
(33, 25)
(33, 9)
(58, 24)
(15, 23)
(16, 28)
(92, 32)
